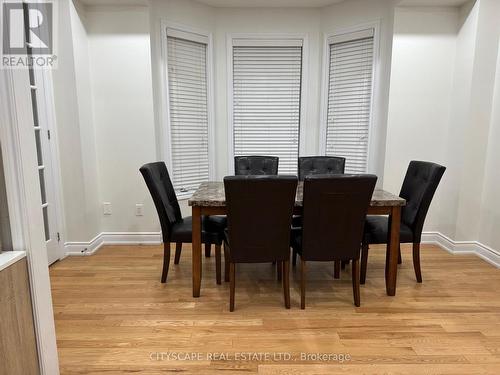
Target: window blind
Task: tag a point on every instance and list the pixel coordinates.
(266, 101)
(188, 112)
(349, 100)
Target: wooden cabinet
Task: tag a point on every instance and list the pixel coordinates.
(18, 351)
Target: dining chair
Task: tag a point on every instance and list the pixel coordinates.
(175, 228)
(316, 165)
(249, 165)
(420, 183)
(334, 212)
(259, 215)
(325, 165)
(255, 165)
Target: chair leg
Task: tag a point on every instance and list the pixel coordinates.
(387, 260)
(226, 264)
(294, 257)
(166, 261)
(208, 250)
(218, 264)
(355, 282)
(336, 270)
(279, 269)
(400, 260)
(302, 284)
(343, 264)
(232, 281)
(286, 282)
(416, 262)
(178, 250)
(364, 262)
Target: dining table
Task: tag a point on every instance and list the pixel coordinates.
(210, 199)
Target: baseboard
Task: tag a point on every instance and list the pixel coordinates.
(486, 253)
(111, 238)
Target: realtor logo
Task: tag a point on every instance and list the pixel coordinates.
(28, 34)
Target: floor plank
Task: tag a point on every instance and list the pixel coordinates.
(113, 316)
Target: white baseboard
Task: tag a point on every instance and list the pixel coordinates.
(111, 238)
(484, 252)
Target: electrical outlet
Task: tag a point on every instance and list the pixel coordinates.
(106, 208)
(139, 210)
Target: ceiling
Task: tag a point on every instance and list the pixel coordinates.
(432, 2)
(269, 3)
(277, 3)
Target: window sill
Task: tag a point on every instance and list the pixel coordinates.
(8, 258)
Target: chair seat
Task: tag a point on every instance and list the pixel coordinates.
(376, 229)
(215, 223)
(182, 231)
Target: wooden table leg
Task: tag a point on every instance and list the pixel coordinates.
(196, 251)
(392, 263)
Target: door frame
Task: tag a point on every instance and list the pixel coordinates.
(23, 190)
(47, 100)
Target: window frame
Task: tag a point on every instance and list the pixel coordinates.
(373, 153)
(192, 34)
(276, 40)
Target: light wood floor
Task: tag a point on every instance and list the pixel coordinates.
(112, 313)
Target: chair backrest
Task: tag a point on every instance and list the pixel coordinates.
(334, 215)
(420, 183)
(163, 194)
(259, 214)
(255, 165)
(316, 165)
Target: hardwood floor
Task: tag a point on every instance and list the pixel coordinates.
(113, 317)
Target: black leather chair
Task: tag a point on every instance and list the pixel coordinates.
(420, 183)
(334, 214)
(259, 215)
(174, 227)
(255, 165)
(320, 165)
(316, 165)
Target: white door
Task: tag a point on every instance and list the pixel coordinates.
(42, 132)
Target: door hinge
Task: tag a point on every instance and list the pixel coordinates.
(48, 134)
(58, 237)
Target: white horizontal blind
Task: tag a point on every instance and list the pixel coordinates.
(349, 101)
(266, 102)
(188, 112)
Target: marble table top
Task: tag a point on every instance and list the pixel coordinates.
(211, 194)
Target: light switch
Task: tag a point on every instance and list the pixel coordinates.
(139, 210)
(106, 208)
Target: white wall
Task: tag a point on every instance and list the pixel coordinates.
(434, 89)
(422, 77)
(460, 100)
(445, 107)
(123, 70)
(121, 82)
(75, 127)
(479, 119)
(490, 205)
